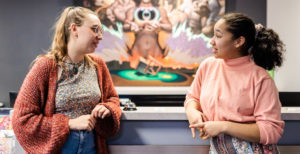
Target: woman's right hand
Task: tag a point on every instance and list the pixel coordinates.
(194, 117)
(84, 122)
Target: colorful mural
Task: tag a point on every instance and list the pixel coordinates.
(155, 42)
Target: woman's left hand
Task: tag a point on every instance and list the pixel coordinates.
(210, 128)
(100, 111)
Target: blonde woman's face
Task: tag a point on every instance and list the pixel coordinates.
(90, 33)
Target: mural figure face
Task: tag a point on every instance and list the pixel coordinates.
(110, 15)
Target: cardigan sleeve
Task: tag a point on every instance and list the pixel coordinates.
(108, 126)
(36, 132)
(267, 112)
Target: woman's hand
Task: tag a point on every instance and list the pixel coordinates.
(100, 111)
(194, 117)
(84, 122)
(210, 128)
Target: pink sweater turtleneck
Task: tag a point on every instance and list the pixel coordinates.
(238, 90)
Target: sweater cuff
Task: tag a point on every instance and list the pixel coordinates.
(189, 100)
(269, 134)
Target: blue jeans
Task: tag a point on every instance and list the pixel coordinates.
(80, 142)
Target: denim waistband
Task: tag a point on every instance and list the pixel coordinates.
(80, 142)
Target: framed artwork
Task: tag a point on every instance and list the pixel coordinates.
(155, 43)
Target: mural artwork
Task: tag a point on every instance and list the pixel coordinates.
(155, 42)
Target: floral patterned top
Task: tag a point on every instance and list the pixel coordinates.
(226, 144)
(78, 90)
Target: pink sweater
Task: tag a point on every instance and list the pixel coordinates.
(238, 90)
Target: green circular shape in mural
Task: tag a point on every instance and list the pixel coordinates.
(162, 76)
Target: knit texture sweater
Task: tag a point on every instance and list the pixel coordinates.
(36, 125)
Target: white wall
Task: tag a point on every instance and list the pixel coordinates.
(284, 17)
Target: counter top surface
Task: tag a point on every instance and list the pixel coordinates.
(178, 113)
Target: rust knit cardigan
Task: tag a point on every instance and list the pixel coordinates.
(36, 126)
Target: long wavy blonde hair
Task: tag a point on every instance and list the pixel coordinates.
(59, 50)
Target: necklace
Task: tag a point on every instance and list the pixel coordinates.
(75, 70)
(73, 67)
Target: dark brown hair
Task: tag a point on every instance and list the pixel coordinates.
(263, 45)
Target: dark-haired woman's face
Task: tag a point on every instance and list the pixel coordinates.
(222, 43)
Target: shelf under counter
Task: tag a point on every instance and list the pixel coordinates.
(169, 126)
(178, 113)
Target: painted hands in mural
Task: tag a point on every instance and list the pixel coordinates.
(132, 26)
(117, 11)
(120, 8)
(152, 27)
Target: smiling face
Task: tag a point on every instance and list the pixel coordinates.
(89, 34)
(222, 42)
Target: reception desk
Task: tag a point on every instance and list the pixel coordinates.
(165, 130)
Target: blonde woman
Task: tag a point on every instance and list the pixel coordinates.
(67, 103)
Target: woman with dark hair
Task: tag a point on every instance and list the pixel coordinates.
(233, 99)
